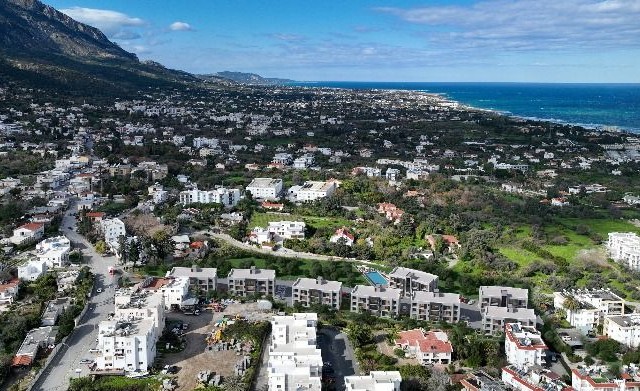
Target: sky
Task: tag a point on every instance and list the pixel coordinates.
(360, 40)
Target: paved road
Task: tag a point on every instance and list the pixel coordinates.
(283, 252)
(67, 362)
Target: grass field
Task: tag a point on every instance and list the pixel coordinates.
(263, 219)
(520, 256)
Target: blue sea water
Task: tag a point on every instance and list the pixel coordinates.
(589, 105)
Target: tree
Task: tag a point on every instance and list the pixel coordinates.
(101, 247)
(359, 334)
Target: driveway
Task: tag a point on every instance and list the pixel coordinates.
(337, 350)
(67, 362)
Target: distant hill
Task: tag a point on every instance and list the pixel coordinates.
(44, 48)
(250, 78)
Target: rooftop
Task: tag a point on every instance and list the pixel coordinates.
(317, 283)
(376, 291)
(265, 182)
(403, 272)
(193, 271)
(498, 291)
(435, 297)
(510, 313)
(253, 273)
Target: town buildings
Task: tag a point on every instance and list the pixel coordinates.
(32, 269)
(624, 248)
(375, 381)
(265, 188)
(524, 346)
(253, 281)
(586, 308)
(309, 291)
(596, 378)
(127, 345)
(428, 347)
(54, 251)
(295, 362)
(314, 190)
(410, 281)
(377, 300)
(495, 318)
(27, 234)
(201, 279)
(227, 197)
(624, 329)
(503, 296)
(435, 306)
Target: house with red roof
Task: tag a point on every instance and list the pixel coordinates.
(428, 347)
(450, 241)
(8, 291)
(95, 217)
(272, 205)
(27, 233)
(343, 233)
(390, 211)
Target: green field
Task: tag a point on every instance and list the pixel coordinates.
(263, 219)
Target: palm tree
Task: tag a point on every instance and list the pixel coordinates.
(571, 304)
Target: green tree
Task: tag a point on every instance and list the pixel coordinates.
(101, 247)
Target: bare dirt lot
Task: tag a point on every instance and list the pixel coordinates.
(196, 357)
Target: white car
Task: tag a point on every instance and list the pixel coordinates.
(99, 290)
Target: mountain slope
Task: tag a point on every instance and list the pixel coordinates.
(44, 48)
(250, 78)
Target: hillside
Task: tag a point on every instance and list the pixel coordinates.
(44, 48)
(250, 78)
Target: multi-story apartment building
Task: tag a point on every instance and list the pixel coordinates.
(624, 329)
(495, 318)
(308, 291)
(227, 197)
(112, 229)
(253, 281)
(129, 346)
(532, 379)
(410, 281)
(624, 248)
(131, 305)
(54, 251)
(295, 362)
(378, 300)
(596, 378)
(204, 279)
(524, 346)
(265, 188)
(503, 296)
(311, 191)
(435, 306)
(375, 381)
(587, 308)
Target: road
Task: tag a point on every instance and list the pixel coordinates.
(67, 362)
(337, 350)
(284, 252)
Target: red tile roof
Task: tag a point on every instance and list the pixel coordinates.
(32, 226)
(95, 214)
(426, 342)
(21, 361)
(10, 284)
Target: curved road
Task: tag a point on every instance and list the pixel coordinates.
(66, 364)
(283, 252)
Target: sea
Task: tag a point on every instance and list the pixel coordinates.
(606, 106)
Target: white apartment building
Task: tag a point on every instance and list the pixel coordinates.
(227, 197)
(54, 251)
(128, 346)
(312, 190)
(624, 248)
(287, 229)
(503, 296)
(410, 280)
(523, 346)
(624, 329)
(131, 305)
(378, 300)
(31, 270)
(295, 363)
(174, 292)
(112, 229)
(593, 305)
(247, 282)
(204, 279)
(308, 291)
(435, 306)
(375, 381)
(596, 378)
(265, 188)
(495, 318)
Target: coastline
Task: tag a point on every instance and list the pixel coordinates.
(446, 96)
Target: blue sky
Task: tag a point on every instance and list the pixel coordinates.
(456, 40)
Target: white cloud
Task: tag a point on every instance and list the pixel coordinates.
(180, 26)
(526, 25)
(288, 37)
(112, 23)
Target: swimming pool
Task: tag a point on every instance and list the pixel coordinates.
(376, 278)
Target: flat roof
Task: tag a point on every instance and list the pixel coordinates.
(35, 338)
(316, 186)
(510, 313)
(404, 272)
(376, 291)
(494, 291)
(180, 271)
(316, 283)
(260, 274)
(265, 182)
(435, 297)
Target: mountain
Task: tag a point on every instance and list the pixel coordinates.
(250, 78)
(44, 48)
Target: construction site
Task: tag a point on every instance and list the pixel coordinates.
(221, 343)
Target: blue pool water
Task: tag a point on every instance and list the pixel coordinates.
(376, 278)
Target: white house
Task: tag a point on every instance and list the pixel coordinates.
(112, 229)
(31, 270)
(265, 188)
(624, 248)
(174, 292)
(432, 347)
(342, 235)
(27, 233)
(54, 251)
(523, 346)
(131, 305)
(8, 291)
(295, 361)
(287, 229)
